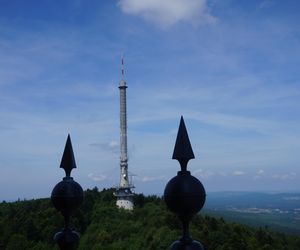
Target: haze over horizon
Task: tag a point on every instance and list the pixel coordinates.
(231, 68)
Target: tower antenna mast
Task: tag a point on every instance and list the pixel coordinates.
(122, 61)
(124, 192)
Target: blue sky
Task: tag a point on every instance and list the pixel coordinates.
(231, 68)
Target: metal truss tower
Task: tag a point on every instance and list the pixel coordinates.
(124, 191)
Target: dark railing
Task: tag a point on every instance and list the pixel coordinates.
(184, 194)
(66, 196)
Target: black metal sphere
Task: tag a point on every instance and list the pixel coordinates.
(67, 239)
(67, 195)
(193, 245)
(184, 194)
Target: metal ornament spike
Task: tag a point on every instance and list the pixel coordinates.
(68, 159)
(184, 194)
(183, 151)
(67, 196)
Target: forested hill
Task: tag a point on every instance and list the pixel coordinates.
(32, 224)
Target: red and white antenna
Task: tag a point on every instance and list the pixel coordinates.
(122, 61)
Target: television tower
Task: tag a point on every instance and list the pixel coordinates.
(124, 192)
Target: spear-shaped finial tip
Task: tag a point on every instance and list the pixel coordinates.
(183, 151)
(68, 159)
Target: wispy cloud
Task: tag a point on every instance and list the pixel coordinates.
(285, 176)
(238, 173)
(111, 146)
(266, 4)
(259, 174)
(204, 174)
(151, 178)
(98, 178)
(237, 91)
(169, 12)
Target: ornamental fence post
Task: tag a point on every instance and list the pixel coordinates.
(67, 196)
(184, 194)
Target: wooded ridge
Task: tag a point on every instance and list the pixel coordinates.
(31, 224)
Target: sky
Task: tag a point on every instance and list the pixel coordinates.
(230, 67)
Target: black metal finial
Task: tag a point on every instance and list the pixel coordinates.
(68, 159)
(184, 194)
(66, 196)
(183, 151)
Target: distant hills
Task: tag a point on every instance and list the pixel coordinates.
(279, 211)
(30, 225)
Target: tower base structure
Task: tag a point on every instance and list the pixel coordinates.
(124, 198)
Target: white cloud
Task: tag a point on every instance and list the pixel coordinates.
(153, 178)
(168, 12)
(203, 174)
(97, 177)
(112, 146)
(260, 172)
(285, 176)
(238, 173)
